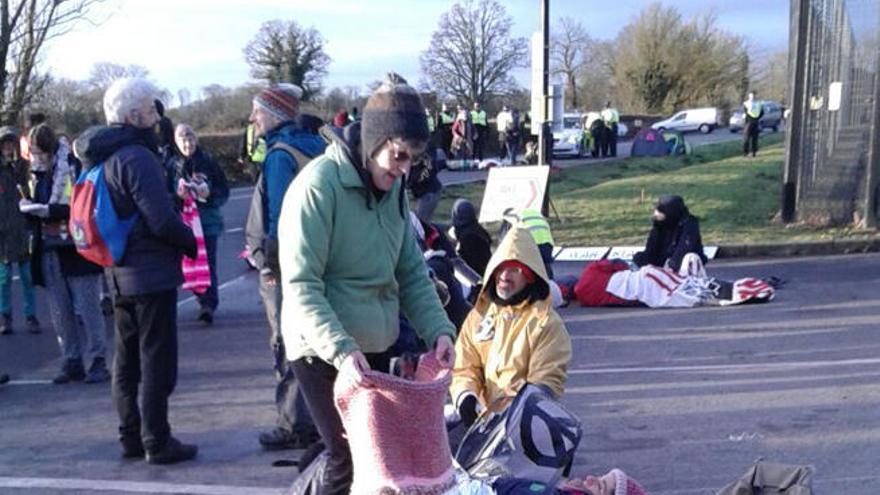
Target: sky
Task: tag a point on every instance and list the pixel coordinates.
(195, 43)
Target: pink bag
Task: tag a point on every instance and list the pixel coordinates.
(196, 272)
(397, 432)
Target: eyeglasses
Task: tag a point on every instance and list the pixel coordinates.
(400, 154)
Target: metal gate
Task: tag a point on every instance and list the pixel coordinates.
(831, 166)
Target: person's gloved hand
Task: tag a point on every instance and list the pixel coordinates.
(467, 410)
(202, 190)
(37, 209)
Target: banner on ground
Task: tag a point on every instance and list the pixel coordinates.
(519, 188)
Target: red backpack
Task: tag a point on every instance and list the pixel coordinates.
(98, 233)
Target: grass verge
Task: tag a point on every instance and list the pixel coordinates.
(736, 198)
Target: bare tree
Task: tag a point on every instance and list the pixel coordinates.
(569, 54)
(472, 52)
(769, 78)
(71, 106)
(103, 74)
(282, 51)
(25, 26)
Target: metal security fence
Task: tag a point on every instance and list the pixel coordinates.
(831, 168)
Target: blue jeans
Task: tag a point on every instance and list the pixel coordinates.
(72, 299)
(27, 288)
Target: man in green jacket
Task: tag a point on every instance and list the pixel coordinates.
(350, 263)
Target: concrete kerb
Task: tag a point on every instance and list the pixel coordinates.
(806, 248)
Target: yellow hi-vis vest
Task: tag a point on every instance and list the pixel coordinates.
(538, 226)
(753, 109)
(257, 151)
(446, 118)
(430, 123)
(610, 116)
(479, 118)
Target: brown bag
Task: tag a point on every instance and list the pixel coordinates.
(767, 478)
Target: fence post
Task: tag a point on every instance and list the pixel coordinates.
(873, 169)
(798, 41)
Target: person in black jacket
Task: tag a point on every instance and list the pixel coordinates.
(674, 240)
(473, 243)
(423, 183)
(144, 283)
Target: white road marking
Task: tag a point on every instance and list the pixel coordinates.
(29, 382)
(237, 229)
(727, 367)
(134, 486)
(222, 286)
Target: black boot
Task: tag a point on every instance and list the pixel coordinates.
(281, 439)
(71, 371)
(5, 324)
(132, 447)
(98, 372)
(172, 452)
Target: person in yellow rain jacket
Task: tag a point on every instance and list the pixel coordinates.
(513, 336)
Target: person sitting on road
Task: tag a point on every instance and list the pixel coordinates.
(613, 283)
(513, 336)
(674, 240)
(473, 243)
(440, 257)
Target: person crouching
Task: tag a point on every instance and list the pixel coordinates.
(513, 336)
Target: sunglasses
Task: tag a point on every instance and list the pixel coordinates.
(400, 154)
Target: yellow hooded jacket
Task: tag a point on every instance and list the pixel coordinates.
(501, 348)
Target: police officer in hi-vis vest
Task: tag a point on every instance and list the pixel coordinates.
(753, 113)
(478, 118)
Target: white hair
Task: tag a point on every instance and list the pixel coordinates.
(125, 95)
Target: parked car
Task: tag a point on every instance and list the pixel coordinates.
(568, 140)
(704, 120)
(770, 120)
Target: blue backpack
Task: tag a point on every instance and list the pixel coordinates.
(98, 233)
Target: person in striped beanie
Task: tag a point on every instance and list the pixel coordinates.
(615, 482)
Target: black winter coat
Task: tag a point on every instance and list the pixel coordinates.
(672, 244)
(137, 184)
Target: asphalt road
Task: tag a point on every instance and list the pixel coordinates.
(683, 400)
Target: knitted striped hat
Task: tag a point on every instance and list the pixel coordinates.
(282, 100)
(394, 110)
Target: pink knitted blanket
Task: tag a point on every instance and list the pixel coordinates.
(397, 432)
(196, 272)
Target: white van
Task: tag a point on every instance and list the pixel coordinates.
(695, 119)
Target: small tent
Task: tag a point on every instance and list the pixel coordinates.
(675, 143)
(649, 142)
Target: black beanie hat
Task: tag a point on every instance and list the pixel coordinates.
(394, 110)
